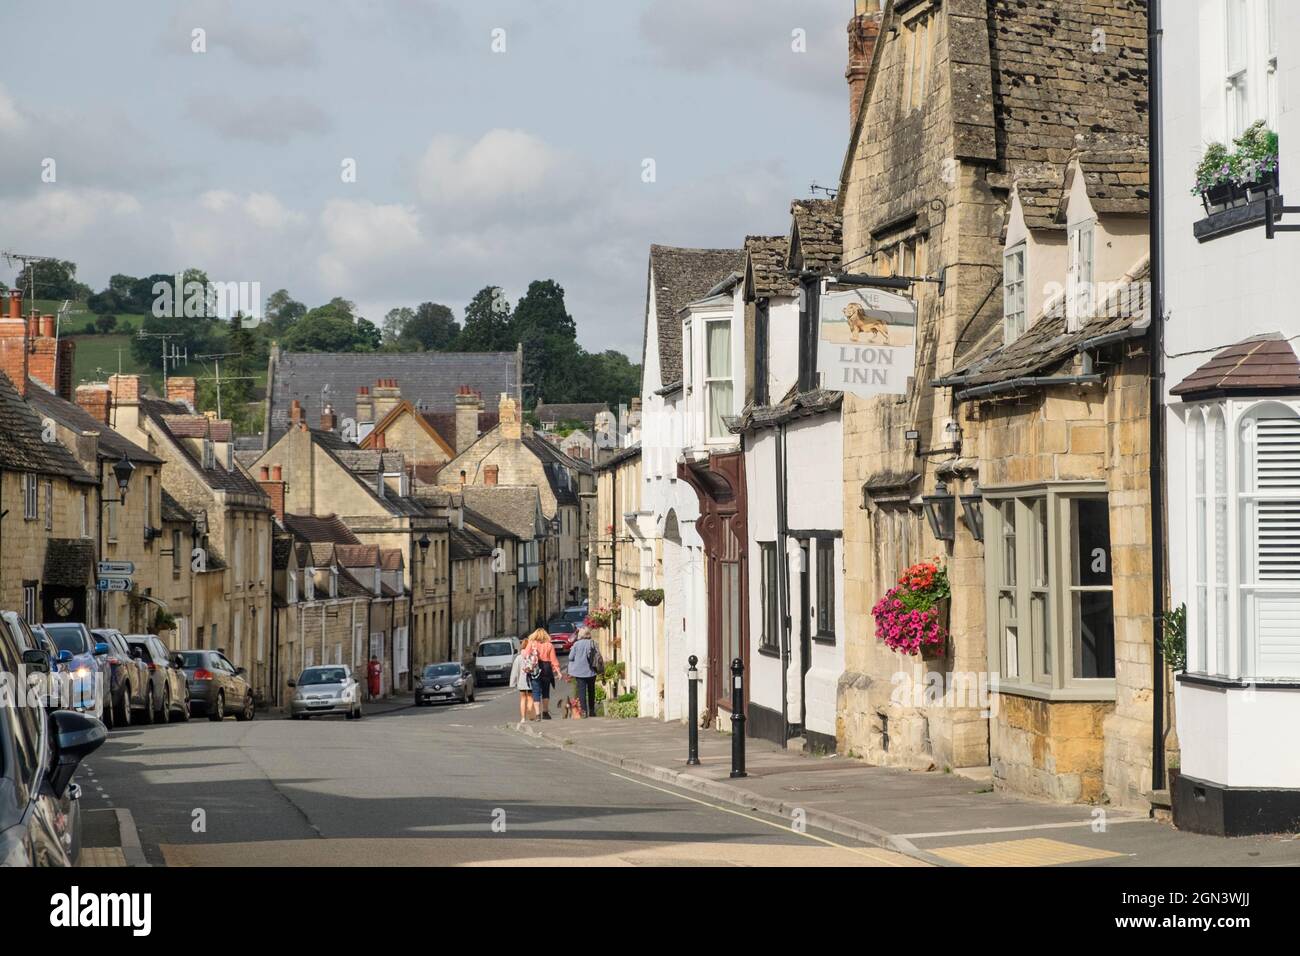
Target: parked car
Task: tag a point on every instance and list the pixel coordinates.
(217, 687)
(577, 613)
(128, 682)
(167, 695)
(450, 682)
(38, 656)
(493, 659)
(563, 634)
(87, 663)
(40, 816)
(326, 689)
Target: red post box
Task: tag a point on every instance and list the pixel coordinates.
(375, 676)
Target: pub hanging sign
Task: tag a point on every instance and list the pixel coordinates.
(866, 340)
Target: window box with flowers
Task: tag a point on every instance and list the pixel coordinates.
(912, 617)
(1234, 181)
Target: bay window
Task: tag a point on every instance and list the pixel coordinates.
(1049, 604)
(1243, 516)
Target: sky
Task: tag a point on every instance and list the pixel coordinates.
(493, 142)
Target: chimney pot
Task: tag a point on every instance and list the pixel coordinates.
(15, 303)
(277, 473)
(266, 473)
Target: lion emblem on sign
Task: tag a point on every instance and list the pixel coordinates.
(862, 323)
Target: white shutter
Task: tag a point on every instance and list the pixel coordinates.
(1277, 468)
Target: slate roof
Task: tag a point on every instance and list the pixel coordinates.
(21, 448)
(793, 406)
(466, 545)
(622, 455)
(391, 559)
(313, 528)
(199, 426)
(765, 267)
(216, 477)
(70, 415)
(513, 507)
(1040, 201)
(1261, 364)
(1047, 343)
(816, 238)
(681, 276)
(444, 423)
(172, 510)
(1118, 181)
(428, 380)
(571, 412)
(68, 562)
(485, 524)
(281, 547)
(357, 555)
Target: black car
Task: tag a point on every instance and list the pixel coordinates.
(216, 687)
(129, 683)
(168, 695)
(40, 817)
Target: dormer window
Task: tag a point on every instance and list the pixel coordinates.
(334, 582)
(1013, 293)
(687, 351)
(1079, 285)
(309, 580)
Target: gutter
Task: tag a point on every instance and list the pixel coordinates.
(1032, 381)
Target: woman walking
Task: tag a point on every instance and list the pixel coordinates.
(539, 642)
(519, 680)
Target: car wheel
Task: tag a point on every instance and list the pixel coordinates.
(148, 705)
(184, 712)
(165, 714)
(123, 715)
(247, 712)
(109, 713)
(360, 712)
(217, 710)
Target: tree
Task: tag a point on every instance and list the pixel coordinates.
(51, 279)
(487, 323)
(433, 328)
(332, 327)
(282, 310)
(105, 324)
(608, 377)
(394, 322)
(549, 337)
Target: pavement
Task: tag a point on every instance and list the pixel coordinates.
(448, 785)
(944, 819)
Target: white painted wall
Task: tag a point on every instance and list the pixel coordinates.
(1218, 293)
(761, 481)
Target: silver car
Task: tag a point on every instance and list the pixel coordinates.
(326, 689)
(449, 682)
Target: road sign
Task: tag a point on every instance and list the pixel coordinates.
(115, 584)
(116, 569)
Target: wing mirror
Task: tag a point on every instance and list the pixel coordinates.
(243, 672)
(37, 660)
(65, 657)
(101, 649)
(292, 683)
(76, 736)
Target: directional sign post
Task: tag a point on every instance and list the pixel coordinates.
(115, 584)
(116, 569)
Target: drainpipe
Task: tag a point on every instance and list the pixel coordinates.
(1157, 410)
(783, 578)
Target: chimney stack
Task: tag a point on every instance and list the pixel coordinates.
(365, 406)
(183, 389)
(295, 413)
(490, 474)
(13, 343)
(387, 396)
(125, 388)
(43, 348)
(508, 416)
(864, 31)
(467, 406)
(381, 443)
(272, 482)
(96, 400)
(328, 420)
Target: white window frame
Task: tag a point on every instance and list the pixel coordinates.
(688, 377)
(29, 603)
(31, 497)
(49, 504)
(1014, 299)
(1236, 78)
(1249, 65)
(1080, 246)
(711, 381)
(1041, 662)
(1226, 585)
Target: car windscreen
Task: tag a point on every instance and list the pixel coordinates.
(442, 670)
(563, 627)
(194, 658)
(496, 649)
(68, 637)
(575, 616)
(326, 675)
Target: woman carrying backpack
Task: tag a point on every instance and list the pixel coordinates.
(519, 681)
(549, 669)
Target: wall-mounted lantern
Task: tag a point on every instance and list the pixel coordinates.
(972, 512)
(941, 512)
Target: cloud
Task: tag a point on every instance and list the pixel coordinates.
(700, 37)
(369, 246)
(273, 120)
(252, 40)
(503, 166)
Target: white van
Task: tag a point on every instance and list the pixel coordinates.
(493, 659)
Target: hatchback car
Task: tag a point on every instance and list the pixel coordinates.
(445, 682)
(39, 659)
(86, 663)
(40, 815)
(167, 695)
(217, 687)
(128, 682)
(493, 660)
(563, 634)
(325, 689)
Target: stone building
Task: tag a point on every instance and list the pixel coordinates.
(959, 102)
(317, 473)
(623, 563)
(473, 590)
(426, 440)
(231, 594)
(513, 517)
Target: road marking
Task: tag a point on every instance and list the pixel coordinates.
(1032, 852)
(779, 826)
(1037, 826)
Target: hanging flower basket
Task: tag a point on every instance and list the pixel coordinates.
(912, 617)
(652, 597)
(601, 617)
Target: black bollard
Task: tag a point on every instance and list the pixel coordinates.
(693, 711)
(738, 718)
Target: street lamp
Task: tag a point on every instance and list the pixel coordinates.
(941, 512)
(122, 472)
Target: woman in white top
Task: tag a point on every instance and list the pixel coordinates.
(519, 681)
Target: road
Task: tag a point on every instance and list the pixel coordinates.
(428, 786)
